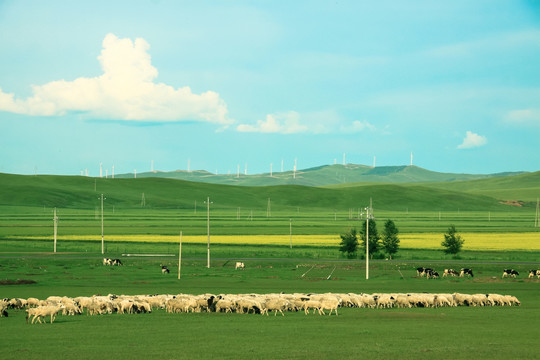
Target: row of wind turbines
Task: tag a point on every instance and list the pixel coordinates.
(295, 168)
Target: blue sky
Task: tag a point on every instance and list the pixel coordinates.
(222, 84)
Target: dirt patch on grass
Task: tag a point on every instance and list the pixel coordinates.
(17, 282)
(517, 203)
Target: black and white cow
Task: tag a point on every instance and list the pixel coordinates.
(421, 271)
(533, 273)
(510, 272)
(450, 272)
(467, 272)
(165, 269)
(116, 262)
(430, 273)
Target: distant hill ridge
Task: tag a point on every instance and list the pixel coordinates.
(322, 176)
(82, 192)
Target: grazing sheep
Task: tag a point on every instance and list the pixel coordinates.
(3, 309)
(42, 312)
(223, 304)
(275, 304)
(511, 300)
(385, 301)
(330, 304)
(32, 302)
(246, 305)
(313, 304)
(440, 300)
(16, 303)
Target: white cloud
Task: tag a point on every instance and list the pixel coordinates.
(358, 126)
(284, 123)
(472, 140)
(125, 91)
(321, 122)
(508, 41)
(524, 116)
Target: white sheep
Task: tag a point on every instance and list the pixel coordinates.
(224, 304)
(42, 312)
(3, 309)
(275, 304)
(312, 304)
(330, 304)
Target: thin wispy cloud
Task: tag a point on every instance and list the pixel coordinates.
(285, 123)
(472, 140)
(318, 122)
(125, 91)
(524, 117)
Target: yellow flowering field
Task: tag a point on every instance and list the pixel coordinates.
(473, 241)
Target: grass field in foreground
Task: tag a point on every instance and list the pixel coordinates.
(429, 333)
(473, 241)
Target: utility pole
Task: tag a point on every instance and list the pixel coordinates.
(208, 229)
(537, 217)
(268, 212)
(369, 215)
(180, 256)
(290, 232)
(102, 242)
(55, 221)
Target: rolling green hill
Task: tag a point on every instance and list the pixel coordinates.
(524, 188)
(83, 193)
(320, 176)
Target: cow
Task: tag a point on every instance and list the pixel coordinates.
(420, 271)
(533, 273)
(510, 272)
(430, 273)
(165, 269)
(239, 265)
(107, 261)
(467, 272)
(451, 272)
(117, 262)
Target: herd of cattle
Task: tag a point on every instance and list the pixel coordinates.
(432, 274)
(38, 310)
(421, 271)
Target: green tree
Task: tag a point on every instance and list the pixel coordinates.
(390, 240)
(452, 241)
(374, 237)
(349, 243)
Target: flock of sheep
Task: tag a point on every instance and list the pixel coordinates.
(38, 310)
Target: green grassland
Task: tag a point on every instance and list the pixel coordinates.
(171, 206)
(443, 333)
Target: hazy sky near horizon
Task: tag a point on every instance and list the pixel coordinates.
(225, 84)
